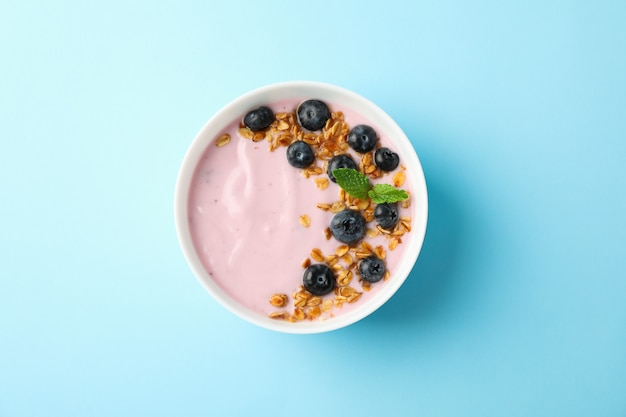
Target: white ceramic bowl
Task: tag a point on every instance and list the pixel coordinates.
(330, 94)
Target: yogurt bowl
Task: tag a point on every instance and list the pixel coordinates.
(270, 232)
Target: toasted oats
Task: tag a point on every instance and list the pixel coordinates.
(222, 140)
(354, 297)
(347, 259)
(301, 297)
(368, 214)
(370, 169)
(317, 255)
(375, 174)
(343, 195)
(306, 263)
(258, 136)
(406, 223)
(284, 140)
(349, 294)
(282, 125)
(342, 250)
(394, 242)
(372, 232)
(327, 233)
(301, 293)
(362, 254)
(382, 230)
(330, 146)
(367, 158)
(291, 319)
(305, 220)
(379, 251)
(314, 301)
(398, 178)
(324, 154)
(362, 204)
(315, 312)
(386, 276)
(279, 315)
(299, 314)
(344, 277)
(337, 207)
(279, 300)
(324, 206)
(246, 133)
(337, 267)
(397, 232)
(406, 203)
(366, 246)
(322, 183)
(327, 305)
(332, 260)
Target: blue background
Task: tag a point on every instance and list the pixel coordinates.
(517, 304)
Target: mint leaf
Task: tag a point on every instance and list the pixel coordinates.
(385, 193)
(353, 182)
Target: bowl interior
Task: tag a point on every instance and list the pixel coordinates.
(330, 94)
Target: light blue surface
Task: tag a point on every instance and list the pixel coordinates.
(516, 307)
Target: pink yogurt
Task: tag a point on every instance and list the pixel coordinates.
(244, 208)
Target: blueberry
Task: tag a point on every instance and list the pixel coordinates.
(259, 119)
(348, 226)
(339, 161)
(362, 138)
(318, 279)
(300, 154)
(386, 214)
(313, 114)
(386, 159)
(372, 269)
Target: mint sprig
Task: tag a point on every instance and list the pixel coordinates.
(358, 185)
(353, 182)
(385, 193)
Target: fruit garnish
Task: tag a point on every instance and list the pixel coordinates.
(348, 226)
(259, 119)
(386, 159)
(362, 138)
(318, 279)
(300, 154)
(386, 215)
(372, 269)
(313, 114)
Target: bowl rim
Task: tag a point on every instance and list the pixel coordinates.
(332, 94)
